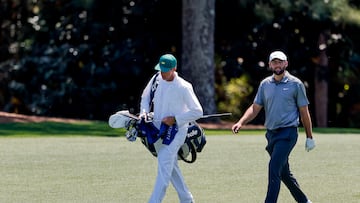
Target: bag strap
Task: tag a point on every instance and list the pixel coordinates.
(154, 85)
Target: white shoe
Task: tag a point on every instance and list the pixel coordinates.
(309, 201)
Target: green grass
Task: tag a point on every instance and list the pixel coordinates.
(231, 169)
(84, 166)
(99, 128)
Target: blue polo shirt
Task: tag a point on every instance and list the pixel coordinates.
(281, 101)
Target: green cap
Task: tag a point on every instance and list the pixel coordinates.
(166, 63)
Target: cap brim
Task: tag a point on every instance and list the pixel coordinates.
(164, 70)
(281, 59)
(157, 67)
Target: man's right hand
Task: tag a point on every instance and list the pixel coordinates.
(235, 128)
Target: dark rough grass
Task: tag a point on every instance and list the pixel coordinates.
(99, 128)
(59, 129)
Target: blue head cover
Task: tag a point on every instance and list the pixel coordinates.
(167, 133)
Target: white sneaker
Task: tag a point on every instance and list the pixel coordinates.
(309, 201)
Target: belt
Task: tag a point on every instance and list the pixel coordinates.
(278, 129)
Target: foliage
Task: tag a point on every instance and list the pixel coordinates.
(68, 59)
(294, 27)
(88, 59)
(236, 93)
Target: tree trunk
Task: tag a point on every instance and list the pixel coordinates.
(198, 66)
(321, 84)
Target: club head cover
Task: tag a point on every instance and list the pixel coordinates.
(118, 120)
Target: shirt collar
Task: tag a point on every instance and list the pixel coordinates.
(285, 79)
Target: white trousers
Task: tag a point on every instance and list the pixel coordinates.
(169, 171)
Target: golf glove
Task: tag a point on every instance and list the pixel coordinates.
(148, 117)
(309, 144)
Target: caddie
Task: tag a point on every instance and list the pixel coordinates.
(174, 106)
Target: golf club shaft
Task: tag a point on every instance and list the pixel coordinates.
(216, 115)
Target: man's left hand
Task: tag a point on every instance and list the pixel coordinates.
(309, 144)
(170, 120)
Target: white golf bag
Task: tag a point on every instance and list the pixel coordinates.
(149, 134)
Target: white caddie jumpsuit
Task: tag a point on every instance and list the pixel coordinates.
(172, 98)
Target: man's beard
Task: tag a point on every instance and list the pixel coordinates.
(279, 72)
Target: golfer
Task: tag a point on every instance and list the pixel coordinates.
(283, 98)
(175, 105)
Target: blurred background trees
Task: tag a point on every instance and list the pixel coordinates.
(89, 58)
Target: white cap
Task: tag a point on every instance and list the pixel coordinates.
(277, 55)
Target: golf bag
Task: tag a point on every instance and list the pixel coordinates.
(194, 142)
(149, 135)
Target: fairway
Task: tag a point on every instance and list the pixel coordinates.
(231, 169)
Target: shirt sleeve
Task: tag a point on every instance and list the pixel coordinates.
(259, 97)
(194, 108)
(301, 95)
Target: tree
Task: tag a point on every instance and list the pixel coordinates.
(198, 18)
(321, 83)
(292, 26)
(86, 59)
